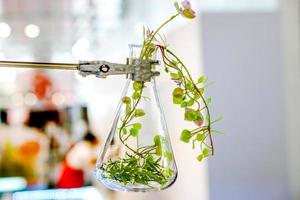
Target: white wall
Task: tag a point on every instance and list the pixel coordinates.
(291, 44)
(238, 6)
(243, 57)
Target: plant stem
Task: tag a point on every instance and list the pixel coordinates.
(126, 121)
(201, 96)
(144, 49)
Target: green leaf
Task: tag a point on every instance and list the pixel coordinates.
(190, 115)
(190, 102)
(128, 109)
(202, 79)
(156, 140)
(189, 85)
(196, 96)
(184, 104)
(126, 100)
(139, 112)
(200, 157)
(124, 131)
(168, 155)
(144, 32)
(158, 150)
(185, 136)
(134, 132)
(136, 95)
(157, 144)
(137, 85)
(205, 152)
(137, 125)
(200, 137)
(208, 100)
(174, 62)
(201, 90)
(174, 75)
(180, 74)
(166, 70)
(207, 118)
(177, 6)
(177, 92)
(199, 121)
(177, 100)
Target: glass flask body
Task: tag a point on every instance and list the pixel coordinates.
(137, 154)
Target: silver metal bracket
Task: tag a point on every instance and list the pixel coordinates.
(143, 70)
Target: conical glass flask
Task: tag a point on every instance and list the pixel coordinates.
(137, 154)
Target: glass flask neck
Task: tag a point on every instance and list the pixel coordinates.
(139, 51)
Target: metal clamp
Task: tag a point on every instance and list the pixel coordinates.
(137, 69)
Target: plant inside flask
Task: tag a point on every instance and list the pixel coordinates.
(143, 159)
(146, 165)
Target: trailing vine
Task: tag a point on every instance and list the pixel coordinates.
(144, 164)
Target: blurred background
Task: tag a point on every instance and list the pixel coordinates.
(249, 49)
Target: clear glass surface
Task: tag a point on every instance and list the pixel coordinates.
(137, 154)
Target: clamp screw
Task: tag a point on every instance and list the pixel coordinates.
(104, 68)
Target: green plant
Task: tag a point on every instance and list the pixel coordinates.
(144, 167)
(144, 164)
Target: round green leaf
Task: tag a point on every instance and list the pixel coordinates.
(136, 95)
(177, 100)
(190, 115)
(205, 152)
(202, 79)
(209, 100)
(177, 92)
(139, 112)
(200, 137)
(124, 131)
(184, 104)
(185, 136)
(137, 125)
(190, 102)
(126, 100)
(202, 90)
(200, 157)
(137, 85)
(134, 132)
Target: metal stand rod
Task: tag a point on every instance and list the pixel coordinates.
(40, 65)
